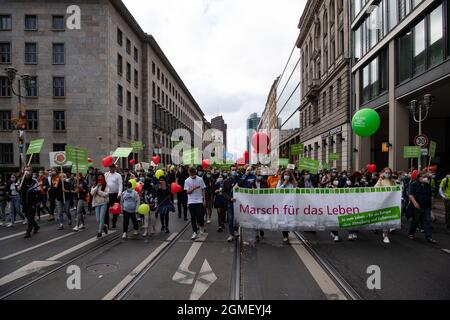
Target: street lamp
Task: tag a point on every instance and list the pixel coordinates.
(11, 74)
(419, 110)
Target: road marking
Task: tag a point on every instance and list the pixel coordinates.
(183, 275)
(30, 268)
(326, 284)
(129, 277)
(205, 279)
(13, 236)
(37, 246)
(73, 249)
(446, 251)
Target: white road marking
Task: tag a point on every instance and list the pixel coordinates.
(326, 284)
(205, 279)
(30, 268)
(446, 251)
(128, 278)
(37, 246)
(13, 236)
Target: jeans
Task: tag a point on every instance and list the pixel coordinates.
(59, 208)
(230, 219)
(15, 208)
(126, 221)
(150, 222)
(80, 217)
(100, 212)
(421, 216)
(182, 203)
(222, 217)
(164, 216)
(197, 216)
(3, 211)
(447, 212)
(42, 205)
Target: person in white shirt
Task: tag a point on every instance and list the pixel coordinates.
(114, 182)
(195, 189)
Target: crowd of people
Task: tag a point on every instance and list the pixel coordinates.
(68, 198)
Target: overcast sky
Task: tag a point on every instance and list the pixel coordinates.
(228, 52)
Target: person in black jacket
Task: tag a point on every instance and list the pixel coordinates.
(227, 192)
(29, 189)
(3, 200)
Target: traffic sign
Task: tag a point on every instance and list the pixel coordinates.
(421, 141)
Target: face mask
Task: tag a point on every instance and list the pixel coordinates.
(344, 176)
(219, 180)
(287, 177)
(142, 179)
(225, 175)
(424, 180)
(335, 183)
(252, 172)
(349, 183)
(363, 180)
(200, 174)
(387, 175)
(307, 177)
(234, 173)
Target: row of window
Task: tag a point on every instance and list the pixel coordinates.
(32, 124)
(128, 71)
(120, 125)
(59, 87)
(381, 19)
(128, 45)
(31, 53)
(7, 153)
(128, 102)
(375, 77)
(31, 22)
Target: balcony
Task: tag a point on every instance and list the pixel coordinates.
(312, 92)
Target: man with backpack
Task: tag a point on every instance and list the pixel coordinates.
(444, 191)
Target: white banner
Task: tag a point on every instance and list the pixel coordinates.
(58, 159)
(318, 209)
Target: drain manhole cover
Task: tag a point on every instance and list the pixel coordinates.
(102, 268)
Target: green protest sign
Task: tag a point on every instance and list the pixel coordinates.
(297, 149)
(191, 157)
(335, 156)
(137, 146)
(325, 166)
(82, 167)
(76, 155)
(411, 152)
(309, 164)
(35, 146)
(432, 151)
(122, 152)
(283, 162)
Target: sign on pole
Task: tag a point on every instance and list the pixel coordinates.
(411, 152)
(81, 167)
(76, 154)
(283, 162)
(35, 146)
(297, 149)
(421, 141)
(122, 152)
(309, 164)
(432, 152)
(335, 156)
(137, 146)
(58, 159)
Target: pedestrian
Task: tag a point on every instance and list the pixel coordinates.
(100, 200)
(288, 182)
(182, 199)
(129, 201)
(114, 183)
(44, 185)
(272, 181)
(229, 184)
(260, 183)
(149, 197)
(90, 181)
(81, 192)
(14, 198)
(420, 195)
(220, 203)
(444, 191)
(164, 204)
(60, 185)
(386, 180)
(51, 192)
(3, 200)
(195, 189)
(28, 189)
(209, 194)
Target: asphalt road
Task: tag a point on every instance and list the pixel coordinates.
(179, 268)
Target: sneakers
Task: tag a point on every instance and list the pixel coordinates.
(2, 224)
(285, 240)
(99, 235)
(75, 229)
(432, 241)
(145, 233)
(209, 222)
(230, 238)
(27, 235)
(194, 236)
(352, 237)
(167, 231)
(124, 235)
(220, 229)
(386, 240)
(10, 225)
(105, 229)
(61, 227)
(25, 222)
(335, 238)
(81, 227)
(36, 230)
(236, 233)
(135, 233)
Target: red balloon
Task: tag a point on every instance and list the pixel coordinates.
(241, 161)
(132, 162)
(371, 168)
(139, 188)
(115, 209)
(107, 161)
(414, 175)
(205, 164)
(175, 188)
(246, 155)
(156, 160)
(261, 142)
(90, 160)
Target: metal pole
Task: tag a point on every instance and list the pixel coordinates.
(420, 133)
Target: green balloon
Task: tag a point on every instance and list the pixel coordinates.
(366, 122)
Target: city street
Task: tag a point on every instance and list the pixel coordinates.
(171, 266)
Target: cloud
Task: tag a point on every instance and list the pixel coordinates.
(228, 52)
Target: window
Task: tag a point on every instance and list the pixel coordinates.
(393, 13)
(384, 70)
(153, 68)
(136, 131)
(120, 126)
(30, 22)
(129, 129)
(419, 48)
(5, 52)
(119, 37)
(128, 100)
(153, 90)
(338, 92)
(159, 94)
(57, 147)
(374, 78)
(119, 95)
(357, 44)
(365, 84)
(435, 36)
(5, 120)
(136, 78)
(341, 41)
(119, 64)
(6, 153)
(58, 23)
(324, 105)
(136, 54)
(58, 53)
(330, 99)
(5, 88)
(59, 87)
(5, 22)
(159, 74)
(404, 56)
(32, 120)
(128, 46)
(136, 105)
(405, 8)
(30, 53)
(32, 90)
(128, 72)
(59, 121)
